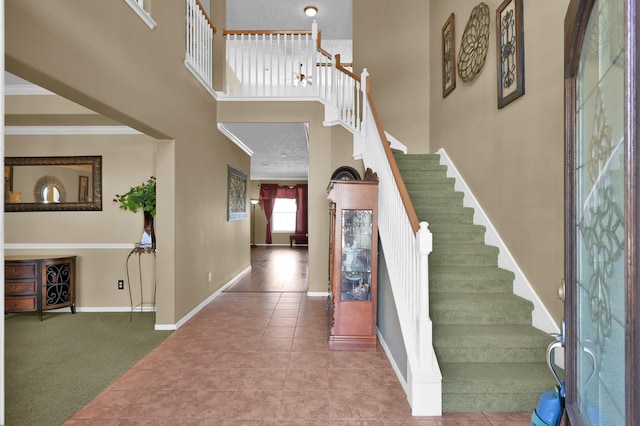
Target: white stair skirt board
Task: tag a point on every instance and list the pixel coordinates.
(542, 320)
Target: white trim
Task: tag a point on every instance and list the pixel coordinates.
(317, 293)
(25, 90)
(68, 246)
(541, 318)
(235, 140)
(143, 14)
(395, 143)
(70, 130)
(204, 303)
(196, 74)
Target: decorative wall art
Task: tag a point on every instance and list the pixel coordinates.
(236, 195)
(474, 44)
(510, 51)
(448, 56)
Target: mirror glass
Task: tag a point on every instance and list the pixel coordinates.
(52, 183)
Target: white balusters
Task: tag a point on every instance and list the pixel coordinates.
(199, 39)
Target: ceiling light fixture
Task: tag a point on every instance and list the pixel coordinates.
(311, 11)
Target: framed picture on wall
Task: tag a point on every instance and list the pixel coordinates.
(510, 51)
(236, 194)
(448, 56)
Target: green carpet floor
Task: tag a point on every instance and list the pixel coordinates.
(56, 366)
(491, 357)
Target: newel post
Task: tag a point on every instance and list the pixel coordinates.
(425, 336)
(364, 87)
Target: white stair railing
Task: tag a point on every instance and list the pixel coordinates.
(199, 39)
(271, 63)
(406, 254)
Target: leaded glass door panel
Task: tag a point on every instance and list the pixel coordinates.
(600, 204)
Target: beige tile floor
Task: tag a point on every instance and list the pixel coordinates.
(262, 359)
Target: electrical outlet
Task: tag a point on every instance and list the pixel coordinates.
(210, 277)
(120, 284)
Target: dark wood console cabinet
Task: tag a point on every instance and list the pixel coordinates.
(353, 265)
(39, 283)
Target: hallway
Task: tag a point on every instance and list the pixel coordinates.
(261, 358)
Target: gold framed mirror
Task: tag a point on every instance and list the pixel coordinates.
(52, 183)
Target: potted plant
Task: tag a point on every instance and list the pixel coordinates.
(142, 197)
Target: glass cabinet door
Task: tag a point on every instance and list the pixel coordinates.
(356, 254)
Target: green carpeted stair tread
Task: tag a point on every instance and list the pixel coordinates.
(437, 196)
(416, 158)
(479, 309)
(476, 378)
(431, 215)
(440, 185)
(423, 173)
(493, 387)
(464, 254)
(469, 279)
(460, 233)
(490, 343)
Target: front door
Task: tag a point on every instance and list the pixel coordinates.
(601, 210)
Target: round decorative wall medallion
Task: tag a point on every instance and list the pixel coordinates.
(474, 44)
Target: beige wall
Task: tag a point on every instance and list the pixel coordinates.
(84, 52)
(511, 158)
(391, 40)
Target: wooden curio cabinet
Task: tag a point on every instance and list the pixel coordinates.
(353, 265)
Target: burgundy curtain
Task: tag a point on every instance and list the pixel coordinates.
(268, 194)
(302, 221)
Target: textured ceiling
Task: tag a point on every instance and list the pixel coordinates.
(280, 150)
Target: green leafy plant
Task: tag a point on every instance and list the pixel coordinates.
(142, 197)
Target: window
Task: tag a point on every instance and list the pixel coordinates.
(283, 218)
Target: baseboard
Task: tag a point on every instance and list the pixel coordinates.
(541, 318)
(317, 293)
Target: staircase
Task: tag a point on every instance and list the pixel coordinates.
(490, 356)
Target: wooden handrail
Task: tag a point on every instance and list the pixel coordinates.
(402, 188)
(340, 67)
(204, 12)
(319, 47)
(267, 32)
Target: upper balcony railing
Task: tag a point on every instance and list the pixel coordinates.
(199, 49)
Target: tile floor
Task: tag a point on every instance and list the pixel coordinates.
(262, 359)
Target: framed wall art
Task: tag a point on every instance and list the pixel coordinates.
(236, 195)
(510, 51)
(448, 56)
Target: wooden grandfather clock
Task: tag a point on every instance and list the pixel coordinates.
(353, 264)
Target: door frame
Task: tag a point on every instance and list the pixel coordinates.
(576, 21)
